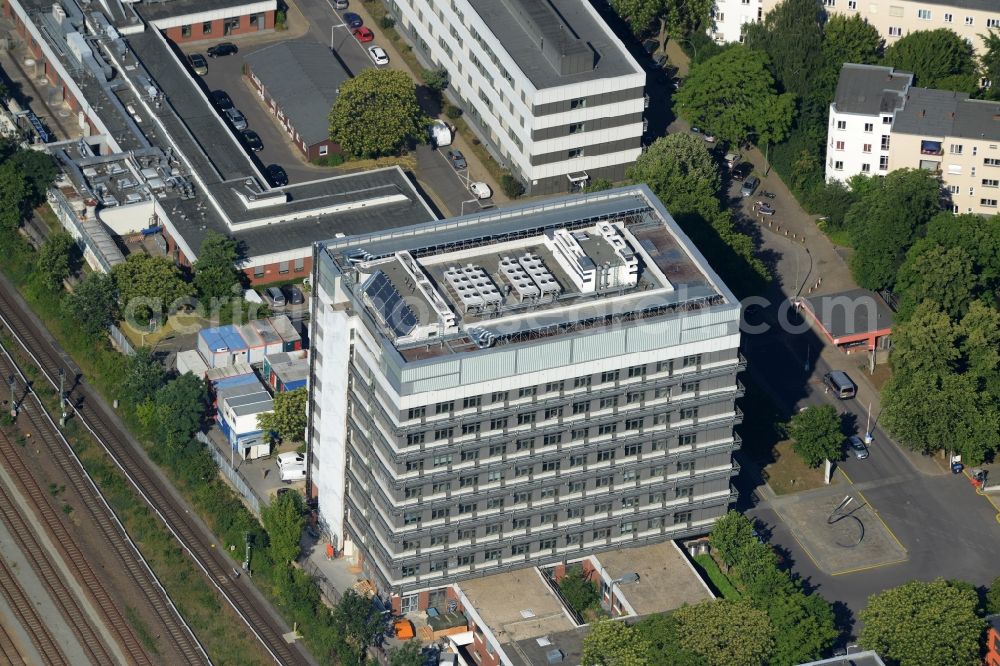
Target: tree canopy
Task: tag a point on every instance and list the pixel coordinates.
(816, 435)
(143, 376)
(847, 38)
(410, 653)
(612, 643)
(56, 260)
(924, 624)
(938, 59)
(990, 59)
(791, 35)
(659, 632)
(215, 273)
(724, 632)
(945, 273)
(681, 171)
(13, 197)
(733, 95)
(358, 625)
(376, 113)
(148, 285)
(93, 304)
(288, 419)
(885, 222)
(579, 592)
(283, 520)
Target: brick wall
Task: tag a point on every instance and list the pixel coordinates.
(273, 272)
(247, 24)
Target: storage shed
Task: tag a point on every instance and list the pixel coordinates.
(216, 376)
(290, 338)
(190, 360)
(272, 341)
(280, 369)
(222, 346)
(256, 349)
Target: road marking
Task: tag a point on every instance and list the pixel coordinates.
(989, 499)
(801, 545)
(875, 511)
(869, 567)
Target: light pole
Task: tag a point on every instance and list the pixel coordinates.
(62, 398)
(627, 578)
(13, 400)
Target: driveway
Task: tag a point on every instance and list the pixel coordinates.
(449, 186)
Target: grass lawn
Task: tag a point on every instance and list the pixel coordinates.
(707, 566)
(788, 474)
(882, 374)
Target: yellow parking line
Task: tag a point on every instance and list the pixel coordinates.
(801, 545)
(875, 511)
(979, 491)
(869, 567)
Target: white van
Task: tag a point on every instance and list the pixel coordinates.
(291, 473)
(843, 386)
(440, 133)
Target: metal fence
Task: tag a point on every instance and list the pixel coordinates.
(325, 586)
(235, 477)
(121, 342)
(64, 211)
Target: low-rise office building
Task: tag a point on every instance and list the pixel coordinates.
(546, 84)
(477, 408)
(880, 122)
(970, 19)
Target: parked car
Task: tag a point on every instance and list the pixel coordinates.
(481, 190)
(276, 175)
(749, 186)
(732, 159)
(290, 458)
(741, 171)
(223, 49)
(857, 447)
(440, 133)
(198, 64)
(293, 295)
(252, 140)
(841, 384)
(709, 138)
(353, 20)
(238, 120)
(251, 296)
(275, 298)
(650, 46)
(363, 35)
(221, 99)
(660, 60)
(378, 55)
(340, 4)
(764, 209)
(457, 160)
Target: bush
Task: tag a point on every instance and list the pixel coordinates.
(330, 160)
(452, 112)
(280, 20)
(435, 79)
(578, 591)
(386, 22)
(511, 186)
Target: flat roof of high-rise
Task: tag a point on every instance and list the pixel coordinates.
(496, 278)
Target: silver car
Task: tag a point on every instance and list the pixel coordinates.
(858, 447)
(275, 297)
(238, 120)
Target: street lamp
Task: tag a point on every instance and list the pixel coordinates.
(62, 398)
(13, 399)
(632, 577)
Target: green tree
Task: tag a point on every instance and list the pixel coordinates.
(38, 169)
(931, 268)
(896, 624)
(376, 113)
(283, 521)
(936, 58)
(805, 627)
(978, 236)
(56, 260)
(791, 35)
(979, 333)
(726, 633)
(886, 221)
(598, 185)
(359, 624)
(680, 170)
(13, 197)
(733, 95)
(816, 434)
(410, 653)
(288, 419)
(181, 405)
(215, 272)
(730, 537)
(990, 59)
(639, 13)
(659, 631)
(578, 591)
(847, 39)
(611, 643)
(93, 304)
(147, 285)
(992, 601)
(926, 343)
(436, 80)
(142, 378)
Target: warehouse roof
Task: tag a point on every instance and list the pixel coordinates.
(304, 79)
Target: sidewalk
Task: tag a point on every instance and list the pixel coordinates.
(477, 170)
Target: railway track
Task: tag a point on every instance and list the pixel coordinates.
(150, 485)
(40, 559)
(42, 639)
(8, 649)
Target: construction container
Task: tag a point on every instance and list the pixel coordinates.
(272, 362)
(222, 346)
(256, 349)
(272, 341)
(190, 360)
(290, 338)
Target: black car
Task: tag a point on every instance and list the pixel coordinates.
(660, 60)
(223, 49)
(252, 140)
(741, 171)
(276, 175)
(293, 295)
(457, 160)
(221, 99)
(650, 46)
(353, 20)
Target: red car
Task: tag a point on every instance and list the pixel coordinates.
(363, 35)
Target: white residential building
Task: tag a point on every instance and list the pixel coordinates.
(546, 84)
(448, 443)
(893, 18)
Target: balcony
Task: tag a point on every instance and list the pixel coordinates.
(929, 148)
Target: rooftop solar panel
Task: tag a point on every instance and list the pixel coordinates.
(390, 306)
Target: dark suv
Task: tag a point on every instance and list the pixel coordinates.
(223, 49)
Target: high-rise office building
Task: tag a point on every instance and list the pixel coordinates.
(518, 387)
